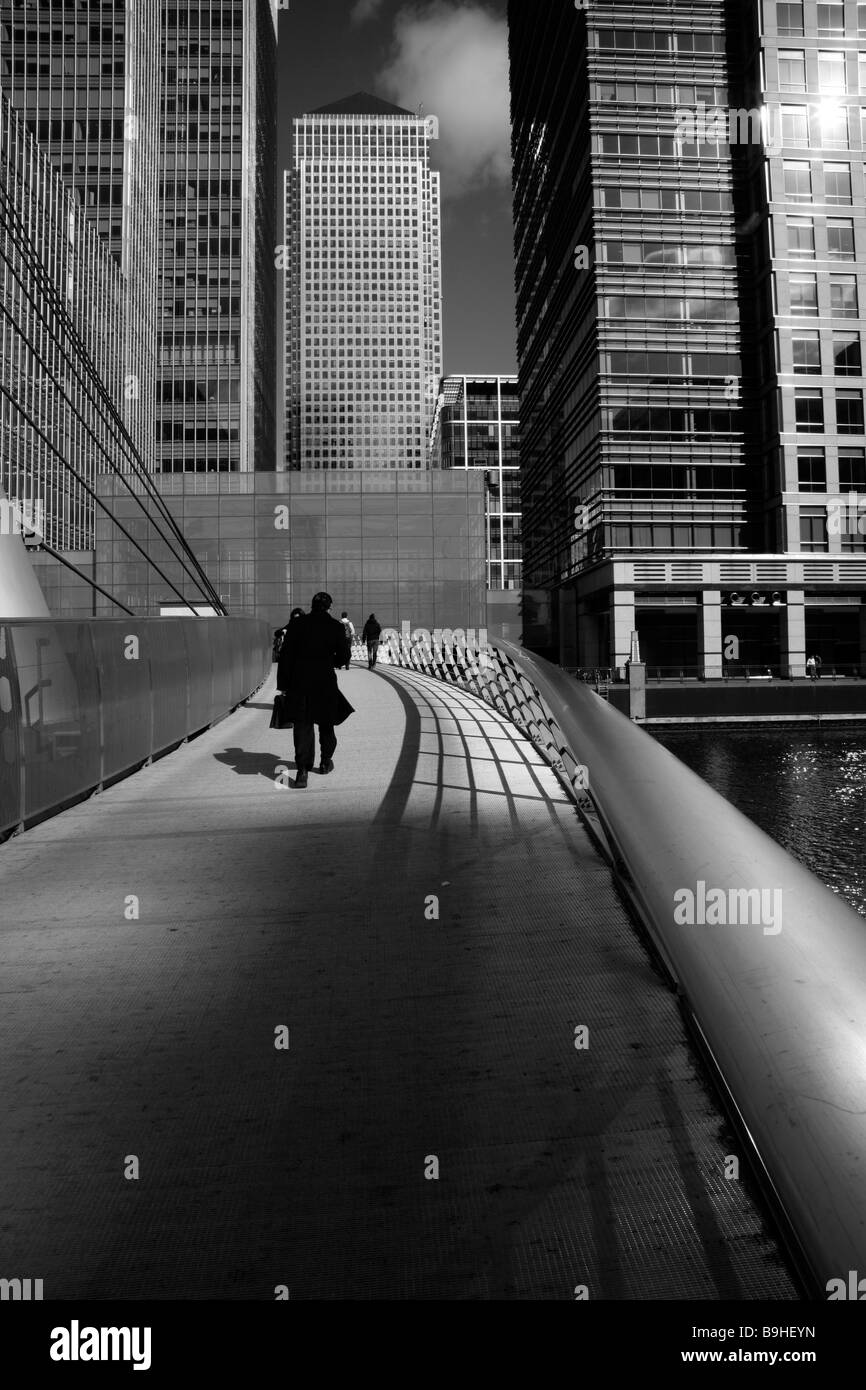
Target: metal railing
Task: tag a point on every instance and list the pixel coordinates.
(769, 963)
(84, 701)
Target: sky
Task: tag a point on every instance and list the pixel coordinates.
(451, 57)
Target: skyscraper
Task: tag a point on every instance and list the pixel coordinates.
(217, 345)
(675, 277)
(363, 317)
(476, 426)
(62, 290)
(87, 83)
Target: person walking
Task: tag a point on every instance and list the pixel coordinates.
(812, 668)
(280, 632)
(371, 633)
(350, 633)
(314, 647)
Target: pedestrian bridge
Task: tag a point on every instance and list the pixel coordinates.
(424, 1030)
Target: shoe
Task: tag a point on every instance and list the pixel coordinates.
(326, 766)
(301, 777)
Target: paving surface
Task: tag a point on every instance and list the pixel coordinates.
(416, 1041)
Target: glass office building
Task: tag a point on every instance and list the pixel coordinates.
(688, 246)
(363, 316)
(476, 426)
(216, 389)
(60, 286)
(86, 80)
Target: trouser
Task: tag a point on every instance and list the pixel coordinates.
(372, 653)
(305, 744)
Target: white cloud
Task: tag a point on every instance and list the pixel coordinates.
(454, 59)
(363, 10)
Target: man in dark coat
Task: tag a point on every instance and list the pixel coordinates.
(314, 646)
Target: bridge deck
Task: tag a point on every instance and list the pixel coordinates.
(410, 1037)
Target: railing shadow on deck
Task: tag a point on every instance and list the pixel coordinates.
(769, 964)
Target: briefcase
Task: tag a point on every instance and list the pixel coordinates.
(280, 713)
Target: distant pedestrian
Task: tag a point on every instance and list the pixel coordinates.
(812, 668)
(315, 646)
(350, 633)
(371, 633)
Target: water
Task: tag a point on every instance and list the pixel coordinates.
(807, 790)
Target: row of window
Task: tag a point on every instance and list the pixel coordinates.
(830, 71)
(797, 181)
(812, 470)
(635, 306)
(809, 412)
(666, 199)
(830, 19)
(687, 481)
(841, 289)
(659, 255)
(202, 308)
(659, 366)
(663, 420)
(845, 351)
(216, 73)
(195, 434)
(220, 389)
(825, 125)
(841, 244)
(662, 94)
(659, 41)
(657, 147)
(200, 188)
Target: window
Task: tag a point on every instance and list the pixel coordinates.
(797, 180)
(792, 70)
(844, 303)
(813, 529)
(809, 412)
(811, 470)
(831, 73)
(806, 349)
(831, 19)
(801, 236)
(837, 183)
(833, 126)
(846, 355)
(804, 294)
(795, 125)
(852, 470)
(789, 17)
(849, 412)
(840, 239)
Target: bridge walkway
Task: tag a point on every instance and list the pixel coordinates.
(431, 924)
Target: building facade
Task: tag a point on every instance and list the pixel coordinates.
(476, 426)
(216, 390)
(363, 316)
(408, 546)
(86, 81)
(62, 290)
(678, 273)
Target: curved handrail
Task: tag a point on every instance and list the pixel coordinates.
(779, 995)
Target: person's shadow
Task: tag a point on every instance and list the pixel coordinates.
(253, 764)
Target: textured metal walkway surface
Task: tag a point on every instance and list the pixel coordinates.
(415, 1041)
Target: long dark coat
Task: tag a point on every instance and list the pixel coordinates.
(313, 647)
